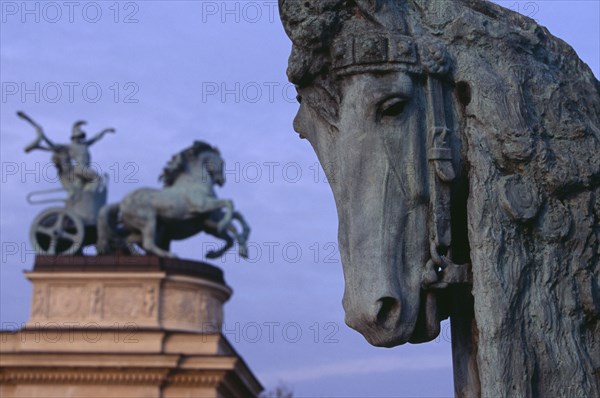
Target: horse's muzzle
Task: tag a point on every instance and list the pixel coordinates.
(378, 322)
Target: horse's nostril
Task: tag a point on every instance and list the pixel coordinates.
(389, 306)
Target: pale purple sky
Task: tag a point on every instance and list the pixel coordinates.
(167, 73)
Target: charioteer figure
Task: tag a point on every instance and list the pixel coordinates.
(67, 230)
(77, 151)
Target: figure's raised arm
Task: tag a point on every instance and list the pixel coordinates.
(98, 136)
(36, 144)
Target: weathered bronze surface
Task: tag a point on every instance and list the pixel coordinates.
(462, 144)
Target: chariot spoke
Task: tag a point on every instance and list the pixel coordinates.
(52, 248)
(69, 236)
(59, 220)
(45, 231)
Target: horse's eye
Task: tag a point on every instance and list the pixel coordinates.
(392, 107)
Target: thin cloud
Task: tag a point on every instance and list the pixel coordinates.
(359, 367)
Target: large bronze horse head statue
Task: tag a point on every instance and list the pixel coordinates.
(464, 144)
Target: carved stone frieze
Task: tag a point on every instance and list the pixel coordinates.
(112, 299)
(39, 308)
(187, 304)
(67, 300)
(124, 301)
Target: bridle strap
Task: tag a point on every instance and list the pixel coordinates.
(440, 271)
(441, 170)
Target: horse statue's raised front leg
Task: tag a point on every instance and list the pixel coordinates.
(224, 223)
(241, 237)
(212, 254)
(230, 235)
(217, 204)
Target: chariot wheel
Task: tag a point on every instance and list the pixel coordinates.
(57, 231)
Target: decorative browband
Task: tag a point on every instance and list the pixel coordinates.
(375, 52)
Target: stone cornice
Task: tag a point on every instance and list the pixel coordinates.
(73, 277)
(118, 376)
(44, 362)
(121, 264)
(106, 369)
(196, 379)
(82, 376)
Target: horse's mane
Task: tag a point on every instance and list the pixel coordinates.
(528, 90)
(530, 126)
(179, 161)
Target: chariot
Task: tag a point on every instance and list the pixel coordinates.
(67, 230)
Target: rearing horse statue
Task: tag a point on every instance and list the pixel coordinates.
(464, 141)
(152, 218)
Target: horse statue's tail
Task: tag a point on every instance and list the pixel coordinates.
(108, 236)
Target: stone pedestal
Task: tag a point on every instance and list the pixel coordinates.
(123, 326)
